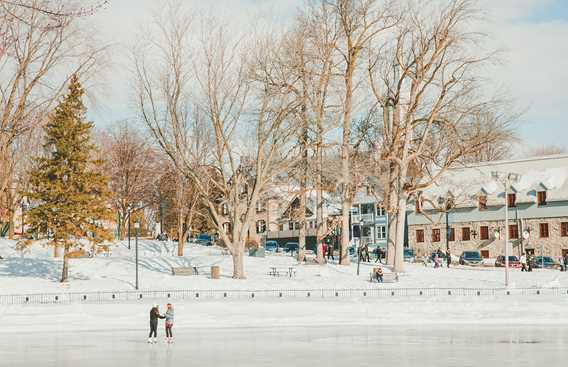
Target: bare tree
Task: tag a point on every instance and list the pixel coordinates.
(133, 167)
(235, 108)
(425, 81)
(360, 22)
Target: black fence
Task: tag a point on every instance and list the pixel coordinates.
(196, 295)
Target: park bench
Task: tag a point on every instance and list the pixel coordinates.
(277, 271)
(387, 277)
(185, 270)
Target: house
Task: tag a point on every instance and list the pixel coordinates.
(466, 209)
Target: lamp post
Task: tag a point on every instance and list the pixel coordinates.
(136, 228)
(506, 179)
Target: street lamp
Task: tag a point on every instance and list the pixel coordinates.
(136, 227)
(506, 179)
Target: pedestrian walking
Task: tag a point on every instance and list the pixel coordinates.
(566, 262)
(154, 316)
(529, 262)
(169, 323)
(524, 262)
(366, 253)
(448, 258)
(436, 261)
(330, 251)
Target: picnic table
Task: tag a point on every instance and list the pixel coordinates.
(276, 271)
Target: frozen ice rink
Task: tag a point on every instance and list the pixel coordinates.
(454, 345)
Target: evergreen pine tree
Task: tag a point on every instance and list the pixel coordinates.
(69, 193)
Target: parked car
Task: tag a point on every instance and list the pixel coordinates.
(409, 255)
(291, 247)
(271, 246)
(471, 258)
(204, 239)
(514, 262)
(545, 262)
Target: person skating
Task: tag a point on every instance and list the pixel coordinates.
(154, 316)
(169, 323)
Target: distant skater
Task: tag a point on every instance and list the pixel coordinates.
(169, 323)
(154, 316)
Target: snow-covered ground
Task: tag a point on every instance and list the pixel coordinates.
(37, 271)
(359, 331)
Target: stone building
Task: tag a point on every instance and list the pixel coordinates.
(466, 209)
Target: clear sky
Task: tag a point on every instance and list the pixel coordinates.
(533, 69)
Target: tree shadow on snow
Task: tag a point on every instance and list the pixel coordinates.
(32, 268)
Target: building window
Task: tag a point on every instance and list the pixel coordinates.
(541, 195)
(380, 211)
(366, 231)
(419, 235)
(436, 235)
(466, 234)
(564, 229)
(260, 206)
(227, 227)
(483, 232)
(514, 232)
(451, 234)
(281, 227)
(225, 209)
(543, 230)
(291, 226)
(512, 200)
(367, 208)
(260, 226)
(482, 202)
(296, 225)
(355, 210)
(381, 232)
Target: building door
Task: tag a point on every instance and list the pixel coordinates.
(485, 254)
(564, 252)
(530, 251)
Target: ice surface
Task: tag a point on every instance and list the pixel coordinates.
(440, 346)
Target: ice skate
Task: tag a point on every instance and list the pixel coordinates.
(149, 340)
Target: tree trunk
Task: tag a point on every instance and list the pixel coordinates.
(65, 270)
(319, 221)
(238, 262)
(56, 251)
(391, 238)
(400, 225)
(302, 220)
(12, 222)
(344, 245)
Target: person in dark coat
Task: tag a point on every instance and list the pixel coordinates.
(154, 316)
(448, 258)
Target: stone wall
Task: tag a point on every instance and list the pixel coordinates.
(551, 246)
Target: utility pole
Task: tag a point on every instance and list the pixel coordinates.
(506, 179)
(136, 227)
